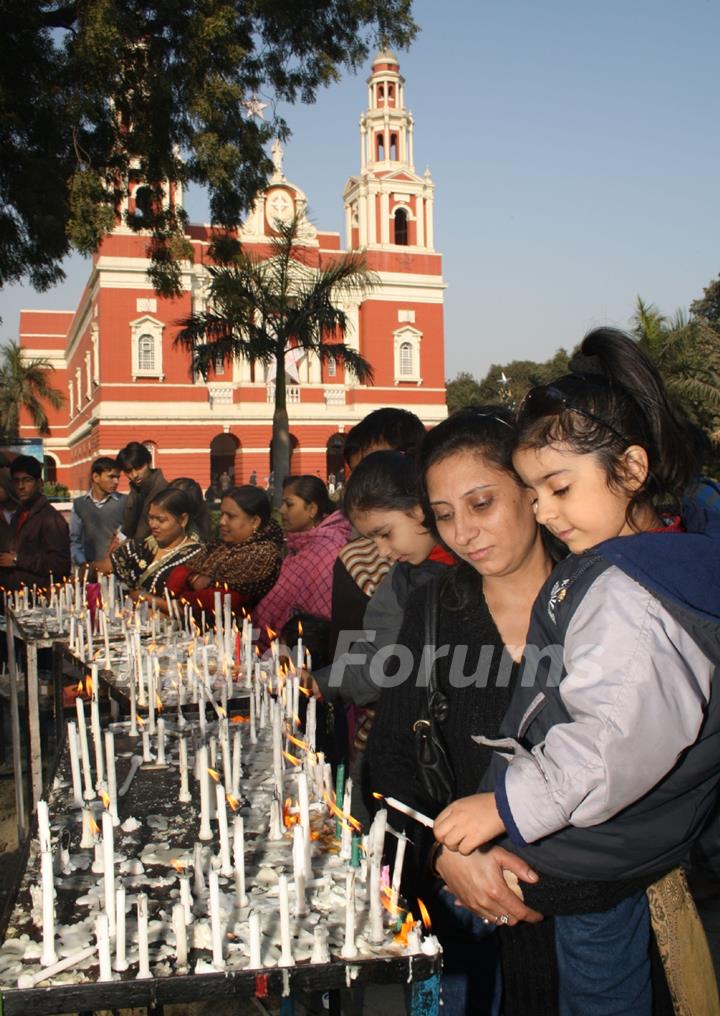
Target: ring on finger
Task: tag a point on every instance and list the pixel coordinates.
(502, 919)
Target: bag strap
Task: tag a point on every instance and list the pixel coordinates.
(437, 700)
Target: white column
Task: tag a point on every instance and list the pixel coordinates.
(419, 220)
(71, 398)
(384, 217)
(410, 136)
(348, 227)
(88, 373)
(429, 221)
(372, 223)
(78, 386)
(363, 143)
(96, 354)
(362, 215)
(314, 370)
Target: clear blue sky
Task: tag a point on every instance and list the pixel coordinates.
(575, 151)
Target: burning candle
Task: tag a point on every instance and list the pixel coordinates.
(143, 943)
(111, 775)
(204, 777)
(239, 860)
(377, 837)
(147, 756)
(286, 956)
(96, 731)
(75, 764)
(184, 796)
(236, 762)
(199, 879)
(215, 922)
(299, 871)
(84, 749)
(109, 869)
(186, 898)
(120, 962)
(178, 923)
(226, 868)
(346, 833)
(311, 723)
(161, 742)
(304, 806)
(397, 872)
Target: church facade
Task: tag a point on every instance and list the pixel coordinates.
(124, 381)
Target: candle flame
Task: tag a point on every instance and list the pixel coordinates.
(215, 774)
(221, 712)
(257, 651)
(292, 758)
(270, 633)
(424, 914)
(139, 719)
(239, 719)
(296, 741)
(288, 818)
(88, 685)
(94, 827)
(300, 629)
(158, 703)
(345, 819)
(105, 798)
(405, 929)
(79, 688)
(233, 801)
(177, 865)
(378, 797)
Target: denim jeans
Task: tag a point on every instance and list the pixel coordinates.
(471, 981)
(604, 961)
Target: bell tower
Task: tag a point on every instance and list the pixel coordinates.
(388, 205)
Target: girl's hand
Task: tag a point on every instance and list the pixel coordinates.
(479, 882)
(199, 581)
(468, 823)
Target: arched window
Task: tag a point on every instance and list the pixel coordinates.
(393, 146)
(380, 145)
(49, 469)
(146, 353)
(143, 202)
(401, 227)
(381, 93)
(406, 360)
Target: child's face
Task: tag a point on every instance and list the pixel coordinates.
(572, 496)
(398, 535)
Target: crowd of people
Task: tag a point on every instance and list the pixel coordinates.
(513, 625)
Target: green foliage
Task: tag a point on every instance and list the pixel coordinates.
(707, 307)
(56, 491)
(519, 377)
(261, 307)
(96, 93)
(25, 384)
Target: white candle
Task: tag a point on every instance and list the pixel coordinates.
(226, 868)
(120, 962)
(111, 775)
(349, 947)
(178, 923)
(151, 696)
(84, 749)
(97, 738)
(199, 880)
(254, 934)
(227, 755)
(286, 956)
(30, 980)
(311, 723)
(277, 742)
(143, 944)
(186, 898)
(147, 756)
(75, 764)
(377, 837)
(236, 763)
(397, 872)
(215, 922)
(239, 860)
(49, 955)
(346, 829)
(276, 830)
(304, 805)
(253, 725)
(161, 741)
(412, 812)
(87, 839)
(184, 797)
(299, 870)
(108, 663)
(204, 778)
(109, 869)
(320, 952)
(88, 623)
(102, 934)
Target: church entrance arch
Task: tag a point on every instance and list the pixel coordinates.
(334, 459)
(223, 461)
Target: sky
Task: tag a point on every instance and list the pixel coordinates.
(575, 153)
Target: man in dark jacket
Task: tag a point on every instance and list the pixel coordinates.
(40, 537)
(145, 482)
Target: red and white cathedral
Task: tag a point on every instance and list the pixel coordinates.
(114, 354)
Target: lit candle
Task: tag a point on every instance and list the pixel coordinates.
(346, 834)
(184, 797)
(87, 839)
(215, 922)
(120, 962)
(311, 723)
(239, 860)
(49, 955)
(143, 943)
(96, 729)
(84, 750)
(286, 956)
(304, 806)
(75, 764)
(377, 837)
(147, 756)
(253, 725)
(102, 934)
(111, 775)
(299, 870)
(397, 872)
(254, 934)
(186, 898)
(109, 869)
(204, 777)
(349, 947)
(236, 763)
(226, 868)
(199, 879)
(178, 923)
(161, 742)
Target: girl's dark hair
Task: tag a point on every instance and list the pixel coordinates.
(175, 501)
(252, 500)
(614, 397)
(200, 517)
(312, 491)
(489, 433)
(385, 480)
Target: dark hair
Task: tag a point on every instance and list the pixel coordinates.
(312, 490)
(385, 480)
(133, 456)
(176, 501)
(200, 515)
(103, 465)
(614, 397)
(401, 430)
(26, 464)
(485, 431)
(252, 500)
(315, 635)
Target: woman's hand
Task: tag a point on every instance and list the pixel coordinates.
(468, 823)
(478, 881)
(199, 581)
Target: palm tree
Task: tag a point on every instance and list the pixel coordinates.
(259, 308)
(25, 384)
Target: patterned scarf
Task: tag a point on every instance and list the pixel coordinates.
(250, 567)
(135, 563)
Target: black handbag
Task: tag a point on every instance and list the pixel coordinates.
(434, 768)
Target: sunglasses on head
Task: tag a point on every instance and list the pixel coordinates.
(552, 396)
